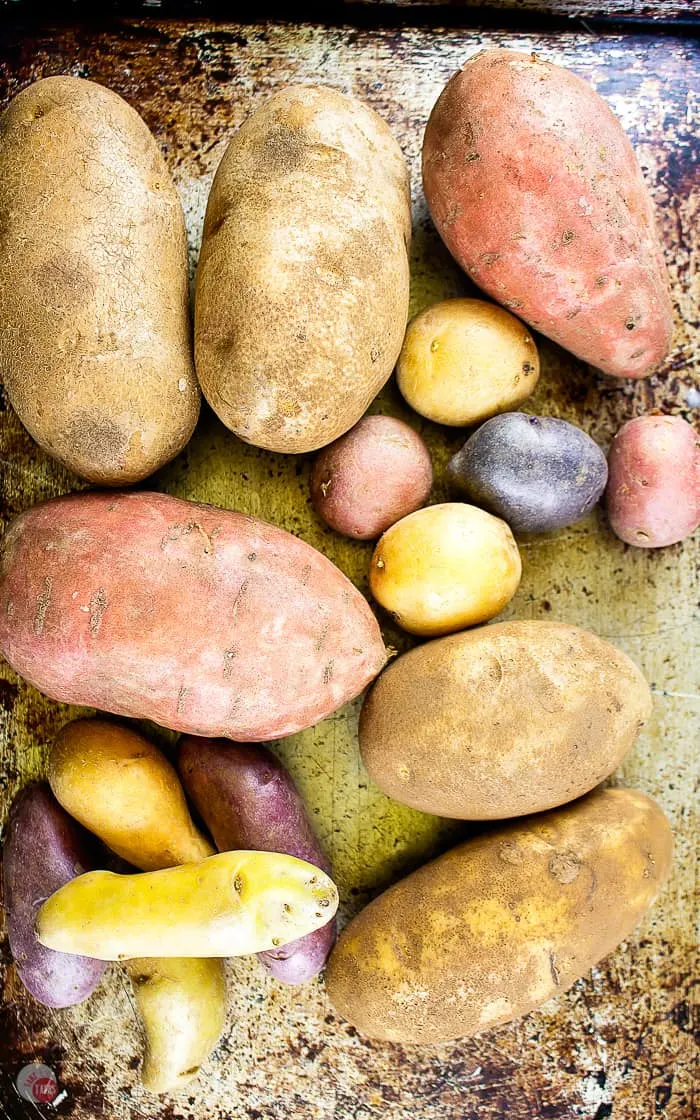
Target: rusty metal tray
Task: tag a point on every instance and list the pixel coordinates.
(620, 1042)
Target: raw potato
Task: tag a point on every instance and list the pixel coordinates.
(201, 619)
(445, 567)
(536, 192)
(464, 360)
(123, 789)
(653, 495)
(536, 472)
(248, 800)
(302, 283)
(43, 849)
(227, 905)
(182, 1002)
(502, 923)
(502, 721)
(95, 345)
(372, 477)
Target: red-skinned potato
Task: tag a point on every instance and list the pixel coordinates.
(653, 494)
(43, 850)
(372, 477)
(248, 800)
(537, 193)
(201, 619)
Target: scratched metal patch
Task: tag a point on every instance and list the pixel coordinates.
(620, 1043)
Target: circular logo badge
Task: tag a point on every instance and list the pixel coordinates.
(37, 1083)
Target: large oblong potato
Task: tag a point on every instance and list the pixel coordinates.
(536, 191)
(502, 721)
(95, 344)
(201, 619)
(227, 905)
(501, 923)
(302, 283)
(124, 790)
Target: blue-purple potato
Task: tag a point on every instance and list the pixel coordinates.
(44, 849)
(536, 472)
(248, 801)
(503, 720)
(502, 923)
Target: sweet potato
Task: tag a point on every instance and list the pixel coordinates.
(536, 191)
(248, 800)
(200, 619)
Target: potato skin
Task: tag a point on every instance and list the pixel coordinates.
(536, 472)
(95, 345)
(248, 801)
(182, 1004)
(303, 272)
(377, 473)
(537, 193)
(124, 790)
(464, 360)
(502, 923)
(43, 850)
(200, 619)
(653, 495)
(502, 721)
(226, 905)
(445, 567)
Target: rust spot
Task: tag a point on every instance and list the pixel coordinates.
(42, 605)
(98, 606)
(181, 697)
(564, 867)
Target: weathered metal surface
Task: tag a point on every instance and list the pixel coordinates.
(620, 1043)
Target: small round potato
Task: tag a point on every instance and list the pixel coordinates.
(372, 477)
(464, 360)
(536, 472)
(444, 568)
(653, 495)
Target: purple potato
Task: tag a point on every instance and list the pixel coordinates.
(44, 849)
(248, 802)
(536, 472)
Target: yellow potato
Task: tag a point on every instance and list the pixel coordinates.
(122, 788)
(445, 567)
(228, 905)
(182, 1002)
(464, 360)
(502, 923)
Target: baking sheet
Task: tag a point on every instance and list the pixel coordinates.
(620, 1042)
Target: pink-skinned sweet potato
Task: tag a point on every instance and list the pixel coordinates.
(248, 801)
(43, 850)
(201, 619)
(536, 191)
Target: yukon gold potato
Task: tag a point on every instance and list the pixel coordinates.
(502, 721)
(123, 789)
(653, 495)
(95, 345)
(182, 1004)
(537, 193)
(502, 923)
(227, 905)
(302, 282)
(464, 360)
(445, 567)
(203, 620)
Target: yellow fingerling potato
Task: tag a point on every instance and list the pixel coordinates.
(228, 905)
(182, 1003)
(122, 788)
(445, 567)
